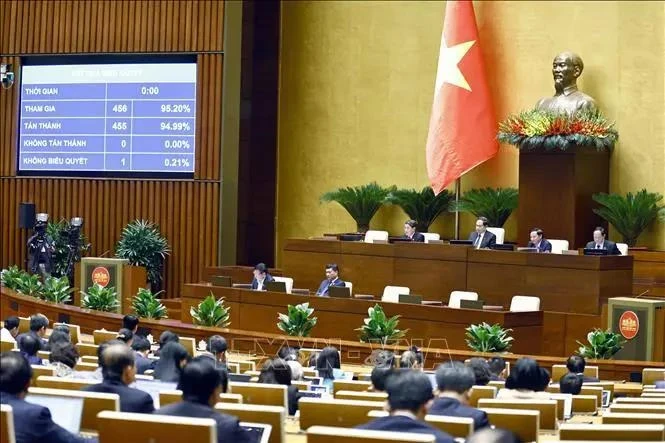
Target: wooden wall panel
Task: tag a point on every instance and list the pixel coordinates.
(187, 211)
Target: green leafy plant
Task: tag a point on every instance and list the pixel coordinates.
(602, 344)
(488, 338)
(494, 203)
(297, 321)
(10, 276)
(27, 284)
(380, 329)
(361, 202)
(59, 231)
(629, 214)
(100, 298)
(143, 245)
(422, 206)
(57, 290)
(211, 312)
(146, 305)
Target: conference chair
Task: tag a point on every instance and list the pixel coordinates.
(75, 384)
(87, 349)
(261, 394)
(500, 234)
(288, 282)
(548, 408)
(376, 236)
(126, 426)
(90, 359)
(558, 246)
(302, 385)
(335, 412)
(38, 371)
(457, 296)
(169, 397)
(348, 284)
(8, 346)
(651, 375)
(640, 400)
(74, 332)
(189, 344)
(457, 427)
(360, 395)
(7, 434)
(101, 335)
(641, 409)
(524, 303)
(23, 324)
(350, 385)
(628, 418)
(391, 293)
(270, 415)
(429, 236)
(478, 392)
(83, 366)
(329, 434)
(559, 371)
(623, 248)
(588, 432)
(585, 404)
(523, 423)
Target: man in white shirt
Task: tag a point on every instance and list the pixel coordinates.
(481, 237)
(10, 330)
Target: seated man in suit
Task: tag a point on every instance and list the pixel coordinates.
(599, 242)
(455, 381)
(411, 233)
(130, 322)
(576, 365)
(409, 396)
(216, 352)
(332, 279)
(38, 325)
(497, 369)
(141, 347)
(536, 240)
(570, 384)
(28, 345)
(201, 385)
(261, 276)
(119, 370)
(481, 237)
(32, 423)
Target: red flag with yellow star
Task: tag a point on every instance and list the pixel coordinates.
(462, 128)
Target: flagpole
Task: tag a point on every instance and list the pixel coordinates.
(457, 193)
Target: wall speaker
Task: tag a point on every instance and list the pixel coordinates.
(26, 215)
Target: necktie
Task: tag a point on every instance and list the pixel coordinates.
(478, 241)
(598, 245)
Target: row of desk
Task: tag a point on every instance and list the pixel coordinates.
(564, 283)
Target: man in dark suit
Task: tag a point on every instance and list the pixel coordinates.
(38, 325)
(599, 242)
(332, 279)
(409, 396)
(481, 237)
(141, 348)
(497, 368)
(410, 232)
(576, 365)
(119, 370)
(201, 385)
(455, 381)
(261, 276)
(32, 423)
(536, 240)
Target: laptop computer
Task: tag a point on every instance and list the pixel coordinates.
(221, 280)
(315, 380)
(461, 242)
(471, 304)
(259, 432)
(410, 298)
(351, 237)
(275, 286)
(503, 247)
(339, 292)
(319, 388)
(592, 251)
(65, 411)
(310, 394)
(243, 378)
(607, 395)
(527, 249)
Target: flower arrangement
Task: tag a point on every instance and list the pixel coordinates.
(555, 131)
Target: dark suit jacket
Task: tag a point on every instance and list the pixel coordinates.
(131, 400)
(33, 423)
(489, 239)
(228, 429)
(417, 237)
(325, 284)
(400, 423)
(452, 407)
(544, 246)
(293, 397)
(43, 344)
(143, 363)
(609, 245)
(255, 282)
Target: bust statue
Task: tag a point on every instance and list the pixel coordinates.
(566, 67)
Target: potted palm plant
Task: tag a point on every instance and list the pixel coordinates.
(211, 312)
(496, 204)
(422, 206)
(378, 328)
(143, 245)
(601, 344)
(297, 322)
(629, 214)
(100, 298)
(488, 338)
(145, 304)
(361, 202)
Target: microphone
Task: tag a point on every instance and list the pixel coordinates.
(105, 253)
(642, 294)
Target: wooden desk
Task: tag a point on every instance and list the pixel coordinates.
(432, 326)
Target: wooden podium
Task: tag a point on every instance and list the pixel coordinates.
(555, 193)
(111, 272)
(641, 322)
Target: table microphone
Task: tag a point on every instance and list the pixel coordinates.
(643, 293)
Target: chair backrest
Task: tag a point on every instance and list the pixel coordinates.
(87, 349)
(559, 371)
(431, 236)
(288, 282)
(524, 303)
(392, 293)
(329, 412)
(90, 359)
(23, 324)
(547, 408)
(189, 344)
(329, 434)
(457, 296)
(270, 415)
(125, 426)
(348, 284)
(640, 400)
(74, 332)
(93, 403)
(558, 246)
(478, 392)
(260, 394)
(302, 385)
(585, 404)
(633, 418)
(359, 395)
(623, 248)
(350, 385)
(169, 397)
(101, 335)
(643, 409)
(83, 366)
(458, 427)
(586, 432)
(38, 371)
(7, 434)
(651, 375)
(74, 384)
(593, 390)
(370, 236)
(8, 346)
(499, 384)
(525, 424)
(500, 234)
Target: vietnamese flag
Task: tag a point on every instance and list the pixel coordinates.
(462, 128)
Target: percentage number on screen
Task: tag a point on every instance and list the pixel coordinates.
(178, 108)
(177, 144)
(176, 162)
(175, 126)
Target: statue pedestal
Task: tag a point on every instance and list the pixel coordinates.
(555, 193)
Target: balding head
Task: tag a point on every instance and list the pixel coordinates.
(118, 363)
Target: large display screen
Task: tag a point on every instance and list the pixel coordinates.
(110, 119)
